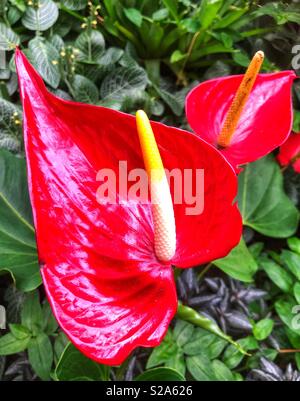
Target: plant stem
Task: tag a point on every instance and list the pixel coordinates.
(190, 315)
(204, 271)
(181, 77)
(73, 13)
(288, 351)
(70, 88)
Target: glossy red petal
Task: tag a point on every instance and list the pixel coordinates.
(99, 267)
(296, 166)
(265, 122)
(217, 229)
(106, 288)
(289, 152)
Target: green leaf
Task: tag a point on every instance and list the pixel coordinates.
(160, 15)
(289, 313)
(152, 35)
(293, 337)
(91, 46)
(277, 274)
(49, 322)
(254, 360)
(177, 362)
(294, 244)
(17, 240)
(296, 122)
(13, 15)
(10, 132)
(160, 374)
(14, 300)
(232, 357)
(226, 39)
(134, 16)
(110, 56)
(163, 352)
(262, 201)
(292, 261)
(85, 90)
(191, 25)
(122, 82)
(61, 341)
(205, 343)
(177, 56)
(74, 4)
(40, 18)
(296, 291)
(232, 16)
(208, 12)
(40, 355)
(239, 264)
(200, 368)
(19, 331)
(19, 4)
(171, 100)
(221, 371)
(282, 13)
(57, 42)
(8, 38)
(73, 365)
(10, 345)
(256, 249)
(171, 5)
(183, 332)
(241, 58)
(209, 49)
(263, 329)
(31, 315)
(45, 58)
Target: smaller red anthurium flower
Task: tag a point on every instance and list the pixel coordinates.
(107, 266)
(289, 152)
(245, 116)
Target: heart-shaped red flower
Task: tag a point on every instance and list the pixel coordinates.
(265, 121)
(108, 291)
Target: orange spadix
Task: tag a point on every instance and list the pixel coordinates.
(239, 101)
(161, 200)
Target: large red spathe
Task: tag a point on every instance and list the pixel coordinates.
(107, 289)
(265, 122)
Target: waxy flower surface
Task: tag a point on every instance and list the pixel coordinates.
(105, 267)
(289, 152)
(245, 116)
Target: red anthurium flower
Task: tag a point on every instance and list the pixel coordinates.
(245, 116)
(289, 152)
(107, 267)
